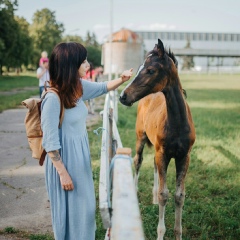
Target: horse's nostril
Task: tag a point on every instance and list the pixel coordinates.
(123, 97)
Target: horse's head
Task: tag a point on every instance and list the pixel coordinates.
(153, 75)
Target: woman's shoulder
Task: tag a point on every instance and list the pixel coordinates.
(51, 98)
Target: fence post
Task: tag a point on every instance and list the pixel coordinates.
(126, 219)
(104, 188)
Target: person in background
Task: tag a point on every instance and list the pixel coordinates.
(68, 171)
(98, 73)
(43, 75)
(44, 55)
(90, 76)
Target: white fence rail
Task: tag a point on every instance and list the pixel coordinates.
(120, 213)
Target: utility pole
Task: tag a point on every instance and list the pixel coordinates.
(110, 41)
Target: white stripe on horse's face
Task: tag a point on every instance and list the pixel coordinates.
(139, 70)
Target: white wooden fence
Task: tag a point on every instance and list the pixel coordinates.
(117, 195)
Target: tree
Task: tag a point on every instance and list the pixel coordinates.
(73, 38)
(94, 55)
(22, 52)
(9, 5)
(188, 62)
(8, 31)
(91, 44)
(91, 40)
(45, 31)
(93, 48)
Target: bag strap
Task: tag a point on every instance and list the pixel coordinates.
(52, 90)
(42, 158)
(55, 90)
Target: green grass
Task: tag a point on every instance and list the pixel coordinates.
(8, 83)
(212, 204)
(13, 233)
(14, 89)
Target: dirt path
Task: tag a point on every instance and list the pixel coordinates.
(23, 197)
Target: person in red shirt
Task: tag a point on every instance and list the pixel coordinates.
(90, 76)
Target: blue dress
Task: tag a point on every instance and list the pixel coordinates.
(73, 212)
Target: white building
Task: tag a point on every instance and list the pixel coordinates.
(201, 41)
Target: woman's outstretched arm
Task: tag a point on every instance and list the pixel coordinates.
(125, 76)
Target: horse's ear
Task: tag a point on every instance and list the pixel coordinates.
(160, 48)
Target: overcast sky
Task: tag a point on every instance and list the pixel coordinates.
(80, 16)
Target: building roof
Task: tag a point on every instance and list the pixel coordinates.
(125, 35)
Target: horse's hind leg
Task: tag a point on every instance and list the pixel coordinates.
(181, 171)
(162, 165)
(141, 140)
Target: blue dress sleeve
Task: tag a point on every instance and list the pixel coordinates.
(93, 89)
(50, 111)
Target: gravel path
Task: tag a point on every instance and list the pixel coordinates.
(23, 197)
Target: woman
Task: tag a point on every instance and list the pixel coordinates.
(69, 178)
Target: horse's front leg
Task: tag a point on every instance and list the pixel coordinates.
(141, 140)
(162, 164)
(155, 184)
(181, 170)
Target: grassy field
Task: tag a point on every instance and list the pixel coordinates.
(212, 204)
(14, 89)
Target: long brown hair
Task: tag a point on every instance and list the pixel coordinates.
(65, 60)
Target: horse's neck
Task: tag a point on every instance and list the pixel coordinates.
(176, 107)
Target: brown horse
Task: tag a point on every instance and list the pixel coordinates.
(163, 120)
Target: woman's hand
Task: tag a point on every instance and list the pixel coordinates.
(126, 75)
(66, 181)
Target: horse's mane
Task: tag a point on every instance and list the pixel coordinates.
(168, 52)
(172, 56)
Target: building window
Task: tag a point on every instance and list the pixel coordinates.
(215, 37)
(219, 37)
(176, 37)
(207, 36)
(168, 36)
(235, 37)
(181, 36)
(225, 37)
(229, 37)
(153, 35)
(158, 35)
(210, 36)
(194, 36)
(164, 35)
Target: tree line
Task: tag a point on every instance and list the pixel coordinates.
(21, 43)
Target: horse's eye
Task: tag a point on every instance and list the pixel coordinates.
(150, 71)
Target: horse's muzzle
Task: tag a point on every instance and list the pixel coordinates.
(123, 99)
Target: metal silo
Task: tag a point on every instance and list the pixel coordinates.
(127, 51)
